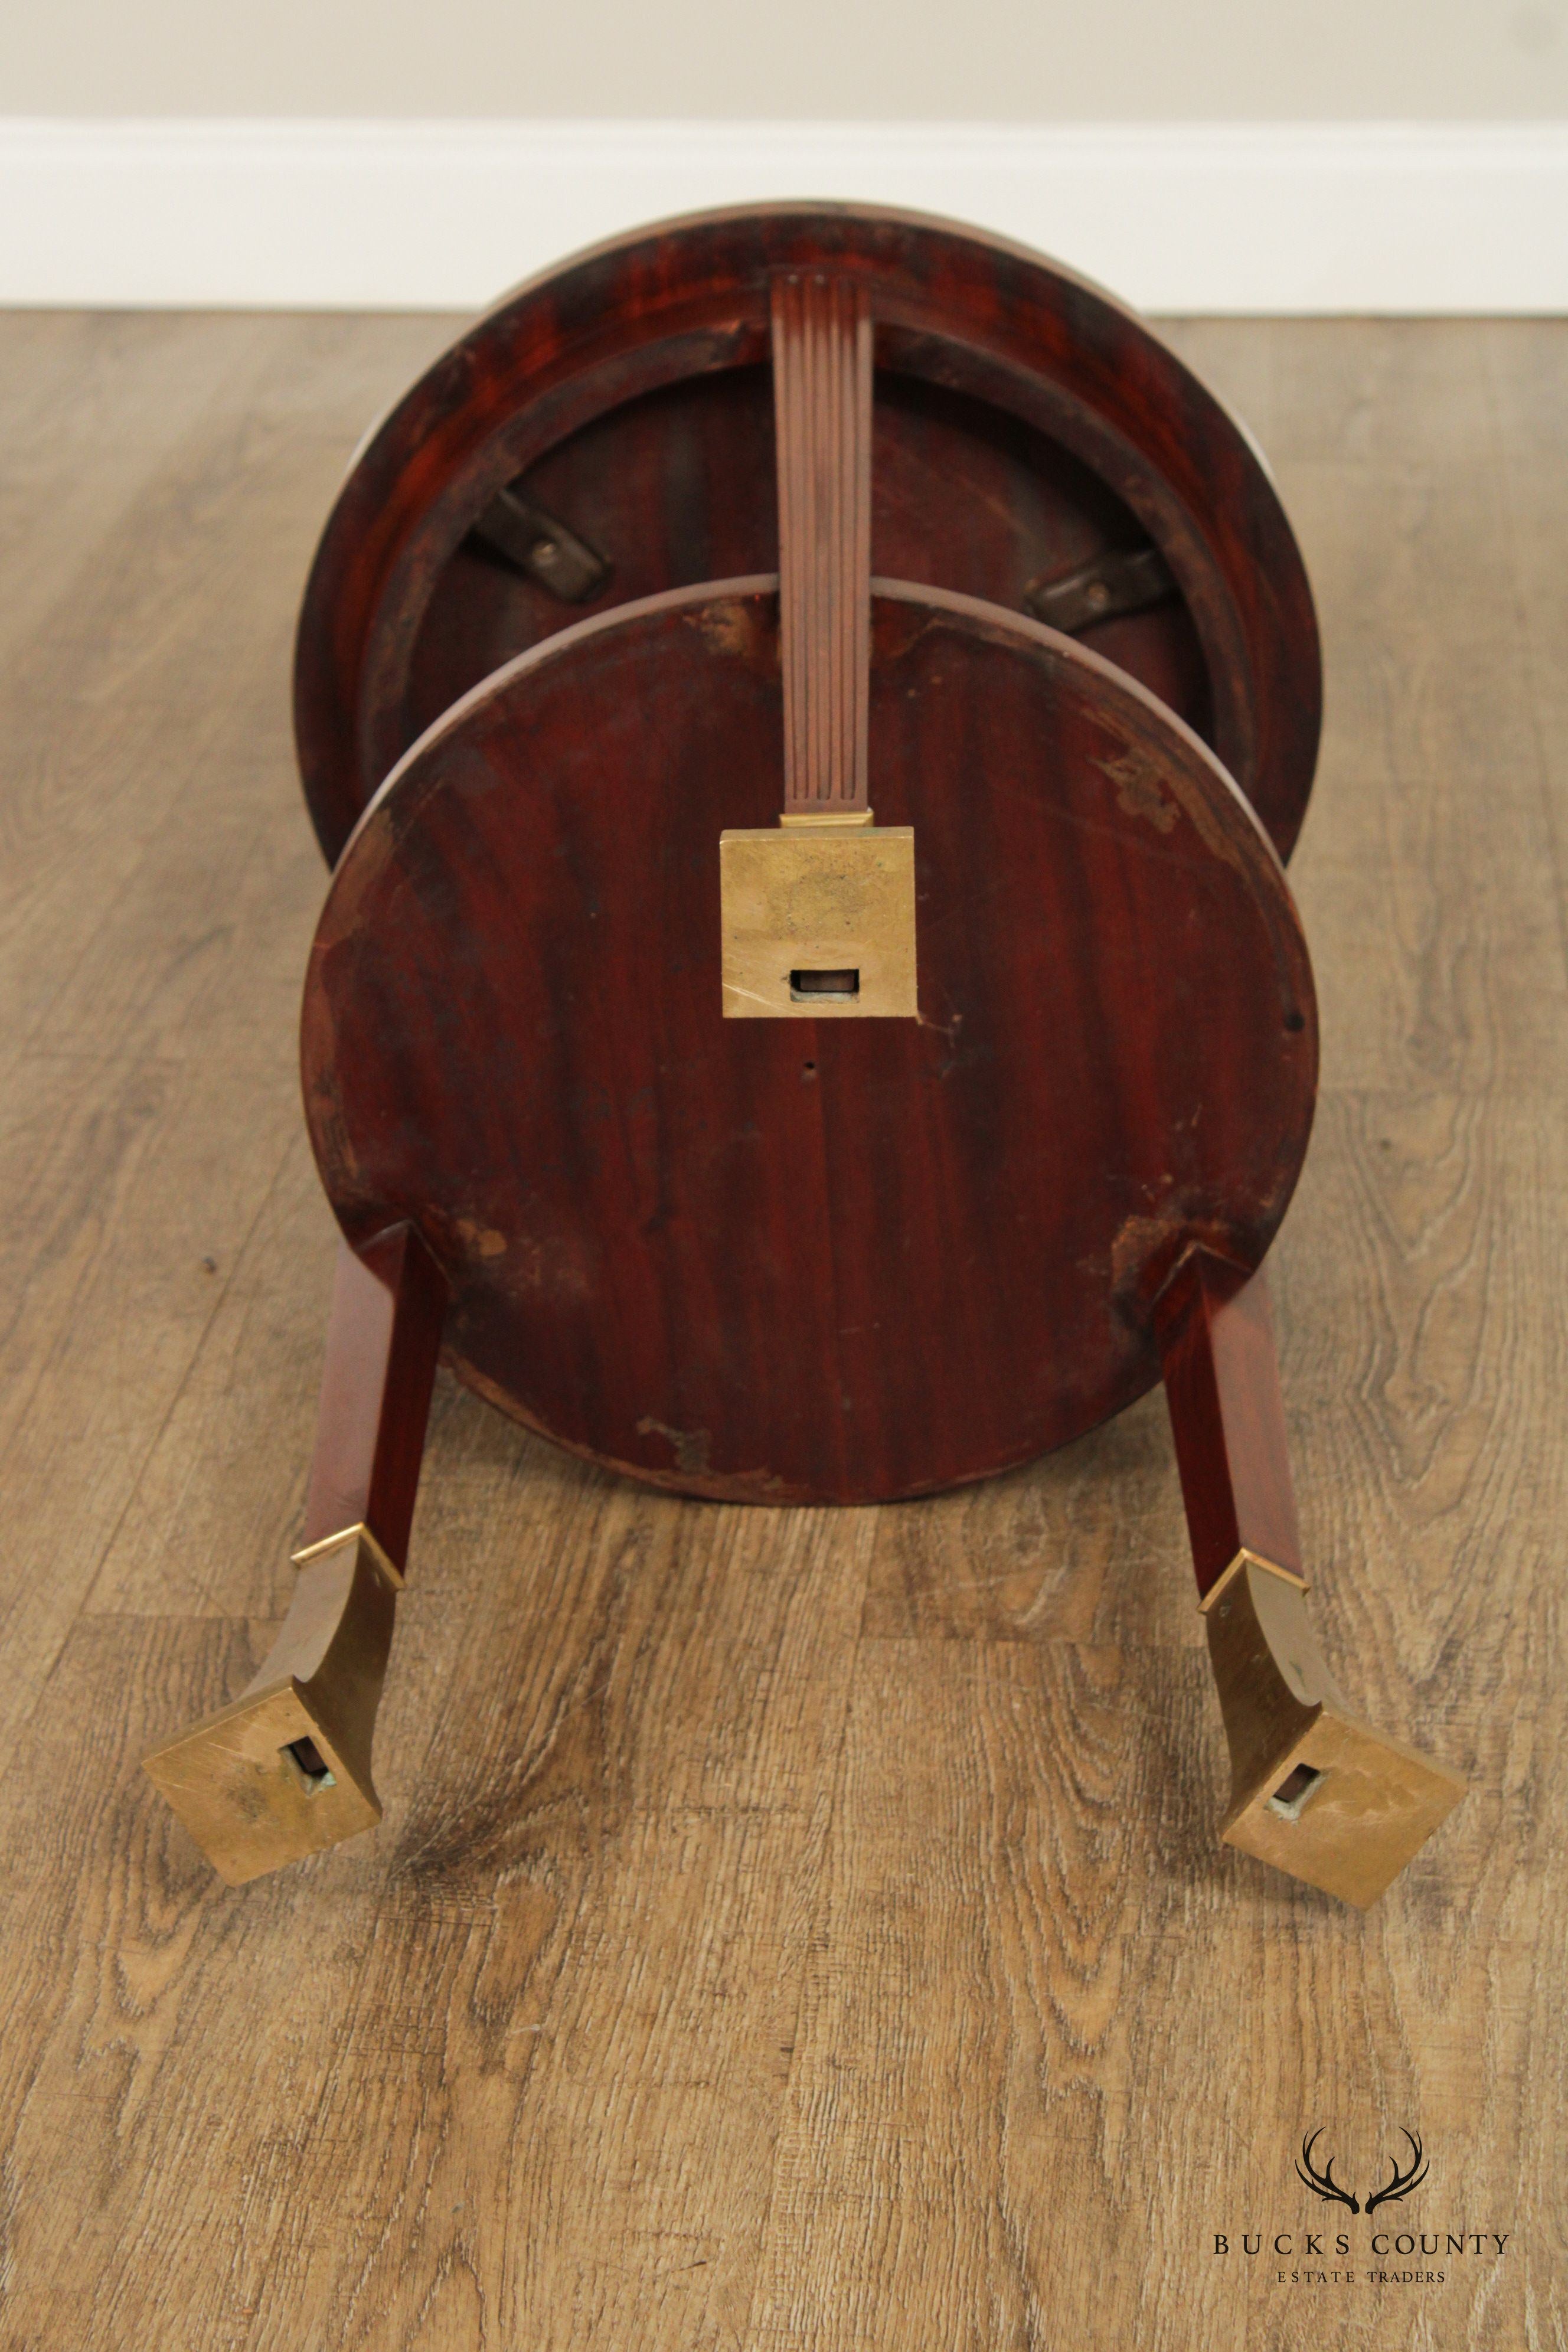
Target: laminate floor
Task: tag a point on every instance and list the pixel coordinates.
(786, 1931)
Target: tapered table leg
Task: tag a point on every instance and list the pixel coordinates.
(1314, 1789)
(285, 1769)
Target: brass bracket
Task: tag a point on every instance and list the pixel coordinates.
(1315, 1792)
(1121, 582)
(818, 921)
(1244, 1559)
(285, 1770)
(538, 545)
(360, 1532)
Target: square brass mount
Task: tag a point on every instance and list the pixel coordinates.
(263, 1783)
(285, 1769)
(818, 921)
(1314, 1790)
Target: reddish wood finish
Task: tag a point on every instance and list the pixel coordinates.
(822, 409)
(1024, 422)
(962, 496)
(1222, 1383)
(794, 1260)
(389, 1303)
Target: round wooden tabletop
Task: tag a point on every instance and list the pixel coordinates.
(788, 1260)
(1026, 427)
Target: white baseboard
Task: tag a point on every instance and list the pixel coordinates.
(1188, 216)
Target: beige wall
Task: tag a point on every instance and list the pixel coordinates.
(977, 60)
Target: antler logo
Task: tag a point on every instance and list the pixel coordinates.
(1323, 2184)
(1401, 2183)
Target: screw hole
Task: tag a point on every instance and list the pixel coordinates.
(1295, 1021)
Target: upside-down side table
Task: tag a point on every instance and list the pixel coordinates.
(807, 707)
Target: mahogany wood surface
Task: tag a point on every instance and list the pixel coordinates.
(1227, 1417)
(838, 1260)
(625, 391)
(383, 1336)
(822, 412)
(963, 496)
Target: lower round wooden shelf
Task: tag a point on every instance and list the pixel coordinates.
(809, 1259)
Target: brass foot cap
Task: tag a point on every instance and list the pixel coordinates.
(261, 1783)
(1345, 1809)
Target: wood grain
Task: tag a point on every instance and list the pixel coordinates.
(821, 426)
(383, 1336)
(800, 1929)
(1220, 1375)
(994, 354)
(862, 1259)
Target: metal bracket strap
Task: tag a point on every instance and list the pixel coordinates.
(540, 546)
(1122, 580)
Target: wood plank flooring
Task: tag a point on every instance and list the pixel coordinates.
(786, 1931)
